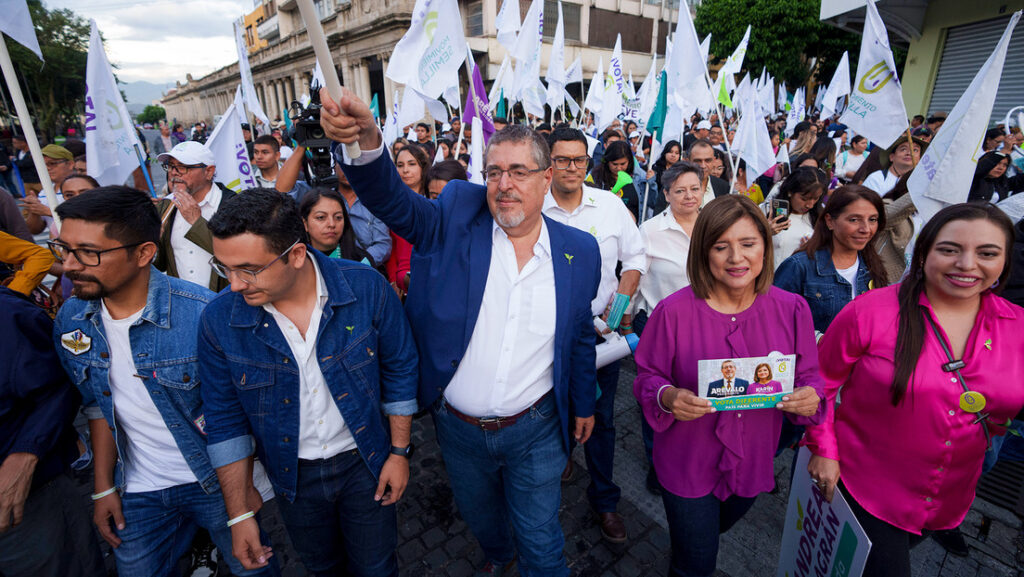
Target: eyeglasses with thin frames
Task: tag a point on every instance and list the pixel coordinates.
(247, 276)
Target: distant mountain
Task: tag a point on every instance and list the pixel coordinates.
(142, 93)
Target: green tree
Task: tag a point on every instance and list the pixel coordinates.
(54, 90)
(151, 114)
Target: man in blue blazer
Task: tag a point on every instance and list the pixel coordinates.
(499, 305)
(728, 385)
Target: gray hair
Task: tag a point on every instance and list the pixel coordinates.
(520, 133)
(672, 173)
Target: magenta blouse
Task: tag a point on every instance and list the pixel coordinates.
(914, 466)
(728, 452)
(769, 388)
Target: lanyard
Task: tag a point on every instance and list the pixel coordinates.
(954, 366)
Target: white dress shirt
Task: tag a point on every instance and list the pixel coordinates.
(605, 216)
(509, 362)
(709, 194)
(667, 246)
(322, 430)
(881, 181)
(192, 262)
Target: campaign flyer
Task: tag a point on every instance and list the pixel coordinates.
(746, 382)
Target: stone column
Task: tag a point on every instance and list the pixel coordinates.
(389, 88)
(364, 80)
(279, 94)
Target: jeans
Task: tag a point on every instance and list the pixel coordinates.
(160, 525)
(55, 537)
(890, 546)
(334, 523)
(694, 526)
(602, 492)
(507, 485)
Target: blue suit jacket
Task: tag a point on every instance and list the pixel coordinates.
(452, 239)
(740, 385)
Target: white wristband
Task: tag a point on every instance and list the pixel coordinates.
(660, 404)
(241, 518)
(102, 494)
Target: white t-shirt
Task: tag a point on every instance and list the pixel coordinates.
(850, 274)
(788, 241)
(154, 460)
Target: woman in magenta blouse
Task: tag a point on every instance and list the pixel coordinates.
(905, 445)
(763, 384)
(712, 465)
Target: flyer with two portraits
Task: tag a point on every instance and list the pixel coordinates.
(746, 382)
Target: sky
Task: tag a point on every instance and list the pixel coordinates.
(161, 40)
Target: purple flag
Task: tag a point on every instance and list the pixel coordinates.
(478, 106)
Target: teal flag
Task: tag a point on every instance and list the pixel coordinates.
(501, 110)
(375, 107)
(656, 123)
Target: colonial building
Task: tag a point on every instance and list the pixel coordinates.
(362, 34)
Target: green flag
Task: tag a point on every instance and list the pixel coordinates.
(656, 123)
(723, 94)
(501, 111)
(375, 107)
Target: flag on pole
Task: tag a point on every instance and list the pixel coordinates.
(944, 174)
(687, 78)
(837, 88)
(250, 99)
(556, 63)
(648, 93)
(656, 121)
(429, 55)
(391, 124)
(595, 94)
(574, 73)
(375, 107)
(507, 23)
(228, 148)
(734, 64)
(500, 110)
(477, 106)
(476, 153)
(723, 93)
(17, 23)
(783, 98)
(110, 137)
(614, 86)
(876, 107)
(527, 55)
(492, 97)
(752, 142)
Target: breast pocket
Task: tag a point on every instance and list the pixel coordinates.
(542, 310)
(361, 362)
(180, 382)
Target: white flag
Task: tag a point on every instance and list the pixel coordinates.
(228, 148)
(110, 137)
(648, 93)
(391, 124)
(574, 73)
(595, 94)
(248, 89)
(687, 77)
(16, 22)
(527, 50)
(735, 62)
(614, 87)
(556, 64)
(752, 142)
(783, 97)
(499, 80)
(429, 55)
(876, 107)
(838, 88)
(508, 23)
(944, 174)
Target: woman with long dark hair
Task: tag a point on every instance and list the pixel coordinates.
(803, 190)
(839, 261)
(670, 155)
(929, 370)
(990, 182)
(325, 215)
(412, 163)
(618, 158)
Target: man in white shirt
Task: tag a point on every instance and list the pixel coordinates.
(603, 215)
(185, 242)
(128, 341)
(59, 165)
(898, 159)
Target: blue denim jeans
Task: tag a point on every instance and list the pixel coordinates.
(335, 525)
(507, 485)
(602, 492)
(694, 526)
(160, 525)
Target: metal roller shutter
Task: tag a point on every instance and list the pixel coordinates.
(967, 47)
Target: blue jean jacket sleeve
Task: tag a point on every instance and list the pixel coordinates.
(227, 428)
(790, 275)
(399, 360)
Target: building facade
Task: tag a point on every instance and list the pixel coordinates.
(361, 35)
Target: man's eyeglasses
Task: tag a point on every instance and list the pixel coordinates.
(245, 275)
(562, 162)
(86, 256)
(180, 168)
(518, 174)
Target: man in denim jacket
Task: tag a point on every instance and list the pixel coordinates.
(307, 354)
(128, 342)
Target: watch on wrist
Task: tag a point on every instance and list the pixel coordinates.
(403, 451)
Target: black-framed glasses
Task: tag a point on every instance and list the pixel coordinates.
(85, 256)
(517, 174)
(563, 162)
(247, 276)
(180, 168)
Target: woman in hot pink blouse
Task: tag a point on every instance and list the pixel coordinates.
(906, 438)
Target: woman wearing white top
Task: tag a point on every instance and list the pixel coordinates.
(803, 190)
(667, 244)
(850, 160)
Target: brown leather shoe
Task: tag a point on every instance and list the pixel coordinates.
(567, 474)
(612, 528)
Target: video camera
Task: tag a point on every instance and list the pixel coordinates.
(308, 133)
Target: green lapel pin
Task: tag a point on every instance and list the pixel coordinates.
(350, 329)
(988, 344)
(568, 257)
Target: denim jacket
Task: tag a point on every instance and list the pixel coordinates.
(824, 289)
(365, 351)
(163, 342)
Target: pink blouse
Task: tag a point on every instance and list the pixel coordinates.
(916, 465)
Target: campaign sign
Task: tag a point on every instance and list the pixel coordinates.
(746, 382)
(821, 539)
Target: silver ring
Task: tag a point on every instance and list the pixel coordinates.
(816, 482)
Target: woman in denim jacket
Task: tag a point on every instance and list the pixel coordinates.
(839, 261)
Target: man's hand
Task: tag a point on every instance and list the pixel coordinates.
(246, 545)
(187, 206)
(394, 477)
(106, 510)
(802, 401)
(15, 482)
(584, 427)
(34, 206)
(825, 474)
(348, 121)
(685, 405)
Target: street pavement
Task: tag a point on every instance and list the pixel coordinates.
(435, 542)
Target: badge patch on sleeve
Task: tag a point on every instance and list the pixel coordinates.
(200, 423)
(76, 342)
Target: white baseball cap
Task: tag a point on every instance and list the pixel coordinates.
(189, 152)
(703, 125)
(634, 134)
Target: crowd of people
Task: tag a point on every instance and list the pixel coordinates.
(227, 349)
